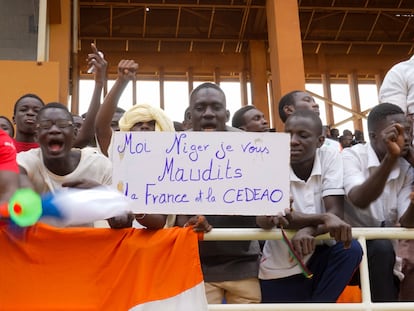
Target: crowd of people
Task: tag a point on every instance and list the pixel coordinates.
(347, 139)
(336, 182)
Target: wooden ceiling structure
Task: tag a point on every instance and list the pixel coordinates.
(210, 39)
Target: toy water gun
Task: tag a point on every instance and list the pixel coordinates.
(24, 208)
(66, 207)
(72, 206)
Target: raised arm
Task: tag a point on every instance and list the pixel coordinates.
(363, 194)
(87, 131)
(126, 72)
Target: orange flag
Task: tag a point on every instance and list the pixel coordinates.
(100, 269)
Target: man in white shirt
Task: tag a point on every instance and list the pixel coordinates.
(377, 182)
(56, 164)
(398, 86)
(316, 186)
(398, 89)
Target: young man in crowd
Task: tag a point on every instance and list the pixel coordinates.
(56, 163)
(316, 187)
(250, 119)
(378, 183)
(398, 88)
(230, 269)
(24, 118)
(299, 100)
(296, 100)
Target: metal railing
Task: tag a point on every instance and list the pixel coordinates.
(362, 234)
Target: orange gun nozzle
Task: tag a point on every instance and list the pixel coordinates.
(4, 211)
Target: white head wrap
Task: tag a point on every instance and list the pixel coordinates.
(146, 113)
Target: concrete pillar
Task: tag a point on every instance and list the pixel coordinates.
(326, 84)
(190, 80)
(243, 88)
(162, 91)
(258, 76)
(285, 44)
(355, 102)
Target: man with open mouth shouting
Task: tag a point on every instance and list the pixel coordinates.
(56, 164)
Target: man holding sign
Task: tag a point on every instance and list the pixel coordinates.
(230, 269)
(223, 172)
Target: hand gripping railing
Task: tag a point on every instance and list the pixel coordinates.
(362, 234)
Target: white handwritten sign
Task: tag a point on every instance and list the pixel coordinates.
(216, 173)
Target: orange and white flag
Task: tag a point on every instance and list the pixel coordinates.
(100, 269)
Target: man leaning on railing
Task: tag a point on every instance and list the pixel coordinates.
(378, 181)
(303, 271)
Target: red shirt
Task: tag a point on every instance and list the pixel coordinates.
(22, 146)
(7, 153)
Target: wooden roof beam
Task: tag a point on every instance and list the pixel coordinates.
(144, 23)
(357, 42)
(177, 25)
(111, 13)
(244, 19)
(111, 17)
(371, 31)
(341, 25)
(210, 26)
(305, 35)
(243, 26)
(167, 39)
(404, 28)
(170, 5)
(356, 9)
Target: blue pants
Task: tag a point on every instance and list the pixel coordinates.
(332, 268)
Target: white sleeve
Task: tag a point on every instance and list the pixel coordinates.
(332, 175)
(394, 89)
(405, 192)
(353, 170)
